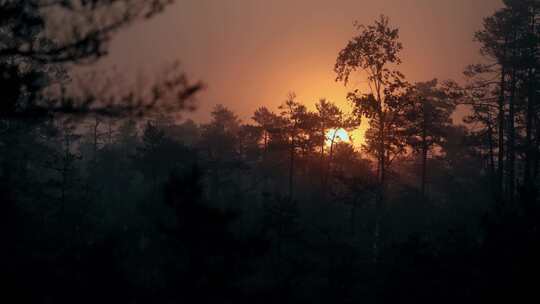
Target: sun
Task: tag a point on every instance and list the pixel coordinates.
(337, 135)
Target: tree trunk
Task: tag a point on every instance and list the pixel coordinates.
(326, 175)
(535, 165)
(264, 162)
(529, 157)
(265, 143)
(424, 167)
(381, 190)
(323, 171)
(95, 147)
(424, 155)
(291, 168)
(352, 219)
(502, 126)
(511, 141)
(530, 149)
(491, 158)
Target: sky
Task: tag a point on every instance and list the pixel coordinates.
(251, 53)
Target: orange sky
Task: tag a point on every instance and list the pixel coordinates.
(253, 52)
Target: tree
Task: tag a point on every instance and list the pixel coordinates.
(330, 119)
(294, 115)
(214, 256)
(219, 137)
(148, 153)
(375, 52)
(65, 31)
(428, 115)
(270, 123)
(158, 154)
(186, 132)
(127, 137)
(495, 45)
(219, 147)
(167, 93)
(249, 137)
(41, 39)
(273, 140)
(482, 93)
(63, 162)
(510, 41)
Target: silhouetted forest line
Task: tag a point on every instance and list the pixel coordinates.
(108, 195)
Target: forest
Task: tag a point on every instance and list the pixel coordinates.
(108, 194)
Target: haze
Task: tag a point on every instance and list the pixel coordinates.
(253, 52)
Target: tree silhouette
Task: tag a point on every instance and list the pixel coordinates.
(330, 118)
(294, 115)
(428, 115)
(509, 40)
(41, 39)
(375, 52)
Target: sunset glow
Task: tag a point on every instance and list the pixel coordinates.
(283, 151)
(274, 47)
